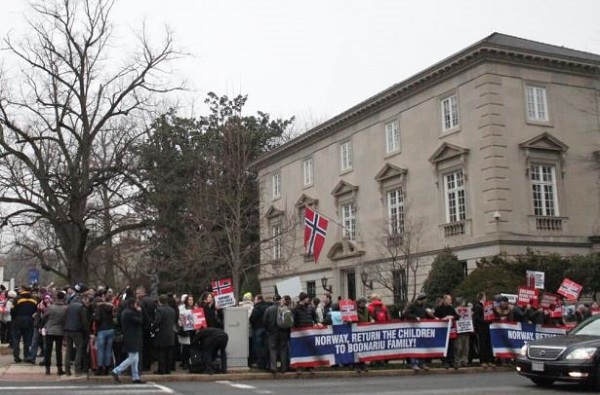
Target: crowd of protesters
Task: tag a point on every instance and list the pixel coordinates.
(107, 333)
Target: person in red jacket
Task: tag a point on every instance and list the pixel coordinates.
(377, 310)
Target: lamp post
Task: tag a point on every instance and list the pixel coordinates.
(367, 282)
(324, 285)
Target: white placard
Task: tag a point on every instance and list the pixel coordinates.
(291, 286)
(535, 279)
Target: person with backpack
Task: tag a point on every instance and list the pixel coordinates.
(377, 309)
(276, 319)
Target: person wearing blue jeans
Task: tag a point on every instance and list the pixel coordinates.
(105, 336)
(131, 326)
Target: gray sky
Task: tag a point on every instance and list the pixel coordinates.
(316, 58)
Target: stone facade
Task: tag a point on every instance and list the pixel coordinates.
(494, 149)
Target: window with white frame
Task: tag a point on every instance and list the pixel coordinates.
(395, 206)
(456, 208)
(543, 187)
(349, 221)
(537, 105)
(450, 113)
(276, 241)
(307, 171)
(276, 182)
(392, 137)
(346, 156)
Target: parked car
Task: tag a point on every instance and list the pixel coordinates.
(574, 357)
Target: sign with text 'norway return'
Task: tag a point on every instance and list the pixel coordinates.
(350, 343)
(508, 337)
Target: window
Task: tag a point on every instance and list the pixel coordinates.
(400, 285)
(276, 185)
(311, 289)
(307, 171)
(450, 113)
(349, 221)
(392, 137)
(537, 106)
(346, 156)
(276, 241)
(455, 196)
(543, 186)
(395, 206)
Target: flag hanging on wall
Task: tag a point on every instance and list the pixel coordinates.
(315, 230)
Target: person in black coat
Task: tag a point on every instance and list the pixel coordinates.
(164, 336)
(259, 334)
(212, 342)
(131, 324)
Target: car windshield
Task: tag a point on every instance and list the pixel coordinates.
(588, 327)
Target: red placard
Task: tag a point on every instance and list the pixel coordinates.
(488, 311)
(528, 295)
(199, 318)
(569, 289)
(348, 311)
(553, 304)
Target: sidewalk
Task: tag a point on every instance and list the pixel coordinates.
(11, 371)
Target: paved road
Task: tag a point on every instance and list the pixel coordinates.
(424, 384)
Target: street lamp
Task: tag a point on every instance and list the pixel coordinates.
(367, 282)
(324, 285)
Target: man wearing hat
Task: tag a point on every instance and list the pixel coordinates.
(417, 311)
(248, 304)
(304, 314)
(25, 307)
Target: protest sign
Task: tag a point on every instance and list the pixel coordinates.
(199, 318)
(535, 279)
(552, 304)
(348, 311)
(528, 295)
(464, 324)
(508, 337)
(291, 286)
(488, 311)
(186, 319)
(569, 289)
(223, 293)
(346, 344)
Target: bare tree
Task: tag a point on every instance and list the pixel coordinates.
(401, 249)
(62, 130)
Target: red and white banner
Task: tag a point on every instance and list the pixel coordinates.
(488, 311)
(570, 289)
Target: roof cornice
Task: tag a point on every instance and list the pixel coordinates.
(496, 48)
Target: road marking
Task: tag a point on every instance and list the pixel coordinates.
(237, 385)
(96, 389)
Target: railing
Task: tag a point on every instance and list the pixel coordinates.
(549, 224)
(454, 228)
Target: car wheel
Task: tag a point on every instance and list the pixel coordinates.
(542, 382)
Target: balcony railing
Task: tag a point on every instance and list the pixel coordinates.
(549, 224)
(453, 229)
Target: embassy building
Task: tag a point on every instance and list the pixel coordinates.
(495, 149)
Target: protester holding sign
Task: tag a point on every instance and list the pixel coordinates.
(482, 330)
(446, 311)
(464, 328)
(417, 311)
(214, 316)
(186, 328)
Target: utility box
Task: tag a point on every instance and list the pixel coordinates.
(236, 327)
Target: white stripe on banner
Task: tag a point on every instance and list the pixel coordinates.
(314, 358)
(328, 330)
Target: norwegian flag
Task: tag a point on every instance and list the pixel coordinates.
(222, 287)
(315, 230)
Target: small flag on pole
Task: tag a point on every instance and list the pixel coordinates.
(315, 230)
